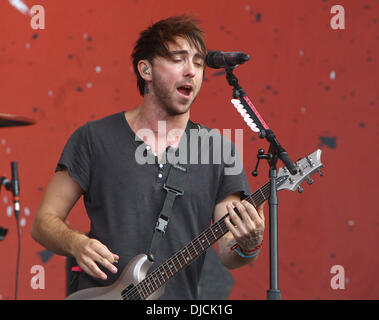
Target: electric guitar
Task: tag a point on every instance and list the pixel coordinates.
(133, 284)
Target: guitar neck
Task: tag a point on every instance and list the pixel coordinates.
(192, 250)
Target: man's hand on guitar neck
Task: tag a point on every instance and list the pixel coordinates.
(246, 229)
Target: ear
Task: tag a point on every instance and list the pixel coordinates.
(145, 70)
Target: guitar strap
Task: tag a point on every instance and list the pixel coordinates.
(174, 186)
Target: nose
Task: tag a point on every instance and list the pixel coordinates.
(190, 69)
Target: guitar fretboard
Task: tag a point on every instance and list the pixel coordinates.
(192, 250)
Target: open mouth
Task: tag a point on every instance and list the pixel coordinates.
(185, 90)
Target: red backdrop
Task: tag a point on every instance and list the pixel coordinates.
(315, 87)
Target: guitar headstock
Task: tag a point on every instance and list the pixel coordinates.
(305, 168)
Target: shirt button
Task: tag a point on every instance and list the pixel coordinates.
(160, 176)
(148, 148)
(161, 165)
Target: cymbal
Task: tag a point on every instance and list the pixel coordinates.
(10, 120)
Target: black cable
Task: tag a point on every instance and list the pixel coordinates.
(18, 254)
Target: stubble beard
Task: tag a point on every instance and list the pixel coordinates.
(164, 97)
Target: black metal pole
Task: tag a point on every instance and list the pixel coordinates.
(273, 293)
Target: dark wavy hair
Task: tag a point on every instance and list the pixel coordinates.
(153, 41)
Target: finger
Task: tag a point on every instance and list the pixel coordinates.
(98, 252)
(253, 214)
(105, 263)
(103, 251)
(102, 255)
(232, 228)
(246, 218)
(91, 268)
(235, 219)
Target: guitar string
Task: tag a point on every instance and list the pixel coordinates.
(157, 273)
(146, 291)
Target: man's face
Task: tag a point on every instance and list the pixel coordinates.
(177, 79)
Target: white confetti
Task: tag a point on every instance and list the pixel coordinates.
(27, 46)
(26, 211)
(9, 211)
(332, 75)
(351, 223)
(89, 85)
(5, 200)
(301, 53)
(50, 93)
(3, 141)
(98, 69)
(303, 109)
(22, 222)
(8, 150)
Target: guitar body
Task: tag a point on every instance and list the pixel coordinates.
(133, 273)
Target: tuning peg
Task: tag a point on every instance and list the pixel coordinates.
(310, 180)
(320, 172)
(300, 189)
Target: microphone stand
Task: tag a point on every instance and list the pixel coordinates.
(276, 151)
(14, 187)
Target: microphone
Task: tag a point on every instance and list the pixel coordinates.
(14, 187)
(219, 59)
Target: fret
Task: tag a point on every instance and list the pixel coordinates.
(213, 234)
(199, 246)
(148, 292)
(170, 265)
(144, 290)
(216, 229)
(189, 250)
(141, 294)
(223, 226)
(202, 239)
(177, 258)
(163, 274)
(209, 243)
(185, 259)
(189, 258)
(194, 248)
(154, 278)
(252, 202)
(150, 284)
(267, 192)
(262, 194)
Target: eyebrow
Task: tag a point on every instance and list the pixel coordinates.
(185, 52)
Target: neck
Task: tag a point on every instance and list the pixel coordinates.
(166, 127)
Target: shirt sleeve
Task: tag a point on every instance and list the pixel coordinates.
(76, 157)
(233, 174)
